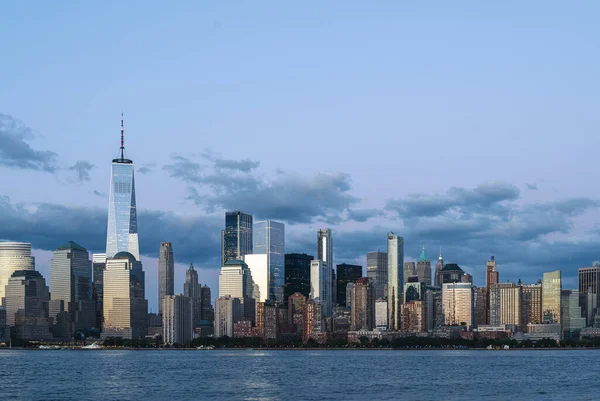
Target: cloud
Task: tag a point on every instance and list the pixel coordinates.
(146, 168)
(82, 168)
(289, 197)
(243, 165)
(532, 187)
(15, 152)
(98, 193)
(47, 226)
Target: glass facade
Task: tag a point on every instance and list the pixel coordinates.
(395, 280)
(346, 274)
(269, 239)
(551, 290)
(297, 274)
(236, 239)
(13, 256)
(377, 265)
(122, 232)
(166, 273)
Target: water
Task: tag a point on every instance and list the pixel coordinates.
(299, 375)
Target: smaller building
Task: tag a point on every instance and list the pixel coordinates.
(227, 313)
(381, 314)
(177, 319)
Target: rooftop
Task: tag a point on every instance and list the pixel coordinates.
(71, 245)
(451, 266)
(124, 255)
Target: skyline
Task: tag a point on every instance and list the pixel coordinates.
(502, 174)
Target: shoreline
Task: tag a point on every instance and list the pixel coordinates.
(72, 348)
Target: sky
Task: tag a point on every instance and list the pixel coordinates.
(466, 127)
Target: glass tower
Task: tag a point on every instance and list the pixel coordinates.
(236, 241)
(551, 290)
(122, 232)
(166, 273)
(395, 280)
(269, 239)
(14, 256)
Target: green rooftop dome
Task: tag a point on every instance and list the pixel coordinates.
(71, 245)
(423, 257)
(124, 255)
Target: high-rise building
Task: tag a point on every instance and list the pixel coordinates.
(414, 317)
(438, 271)
(297, 274)
(208, 312)
(122, 231)
(589, 283)
(71, 284)
(259, 268)
(572, 320)
(452, 273)
(325, 254)
(98, 267)
(551, 297)
(346, 274)
(296, 304)
(434, 307)
(192, 290)
(125, 304)
(457, 300)
(269, 239)
(410, 270)
(4, 329)
(166, 273)
(227, 313)
(424, 268)
(320, 286)
(236, 240)
(377, 265)
(505, 304)
(491, 274)
(480, 307)
(14, 256)
(235, 280)
(362, 312)
(531, 304)
(26, 301)
(381, 314)
(177, 318)
(395, 251)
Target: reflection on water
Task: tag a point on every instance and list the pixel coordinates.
(303, 375)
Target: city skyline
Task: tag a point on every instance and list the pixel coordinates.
(482, 103)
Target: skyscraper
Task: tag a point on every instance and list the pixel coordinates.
(325, 254)
(235, 280)
(572, 321)
(236, 238)
(297, 274)
(457, 301)
(362, 314)
(395, 246)
(410, 270)
(122, 231)
(377, 265)
(320, 286)
(424, 268)
(269, 239)
(589, 283)
(98, 266)
(506, 301)
(71, 285)
(13, 256)
(491, 274)
(177, 319)
(531, 304)
(192, 290)
(551, 297)
(259, 268)
(166, 273)
(208, 313)
(438, 271)
(227, 312)
(346, 274)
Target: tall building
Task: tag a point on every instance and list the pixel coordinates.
(410, 270)
(362, 313)
(551, 297)
(166, 273)
(259, 268)
(572, 320)
(125, 304)
(480, 308)
(325, 254)
(395, 251)
(14, 256)
(381, 314)
(457, 300)
(98, 267)
(26, 301)
(269, 239)
(122, 231)
(208, 312)
(589, 283)
(192, 290)
(414, 317)
(491, 274)
(71, 284)
(320, 286)
(297, 274)
(227, 313)
(452, 273)
(236, 240)
(177, 318)
(377, 264)
(296, 304)
(531, 304)
(438, 270)
(505, 304)
(235, 280)
(346, 274)
(434, 307)
(424, 268)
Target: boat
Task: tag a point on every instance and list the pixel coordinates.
(206, 348)
(93, 345)
(50, 347)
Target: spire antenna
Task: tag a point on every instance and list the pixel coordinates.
(122, 138)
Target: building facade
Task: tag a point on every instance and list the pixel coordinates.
(410, 270)
(269, 239)
(193, 290)
(362, 312)
(177, 319)
(259, 269)
(98, 267)
(505, 304)
(438, 270)
(166, 273)
(297, 274)
(589, 283)
(325, 254)
(320, 286)
(236, 238)
(531, 304)
(377, 265)
(424, 268)
(395, 251)
(457, 301)
(14, 256)
(551, 297)
(227, 312)
(345, 274)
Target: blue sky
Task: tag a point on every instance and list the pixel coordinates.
(466, 126)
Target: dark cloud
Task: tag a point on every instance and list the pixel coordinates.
(532, 187)
(289, 197)
(82, 168)
(362, 215)
(48, 226)
(243, 165)
(98, 193)
(147, 168)
(15, 152)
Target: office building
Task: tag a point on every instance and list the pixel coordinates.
(480, 307)
(410, 270)
(381, 314)
(125, 304)
(177, 318)
(71, 285)
(259, 269)
(325, 254)
(166, 273)
(505, 304)
(362, 312)
(346, 274)
(122, 230)
(414, 317)
(424, 268)
(377, 265)
(414, 290)
(192, 289)
(491, 273)
(98, 266)
(236, 238)
(227, 312)
(589, 283)
(4, 329)
(296, 304)
(438, 271)
(451, 273)
(551, 297)
(26, 302)
(208, 312)
(395, 251)
(320, 286)
(235, 280)
(572, 320)
(457, 304)
(531, 304)
(434, 307)
(297, 274)
(14, 256)
(269, 239)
